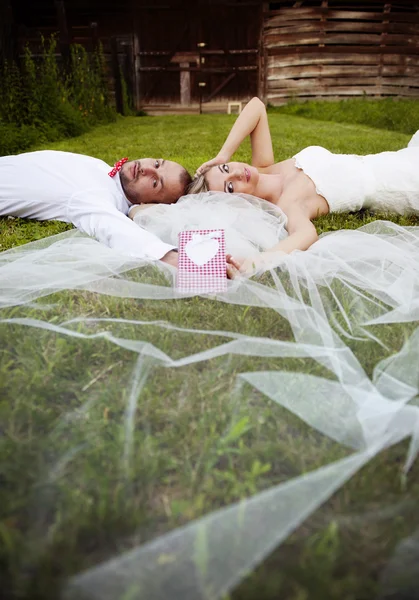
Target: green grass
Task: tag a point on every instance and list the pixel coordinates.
(393, 114)
(74, 492)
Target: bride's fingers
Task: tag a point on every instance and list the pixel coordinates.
(202, 171)
(206, 166)
(203, 168)
(231, 271)
(232, 261)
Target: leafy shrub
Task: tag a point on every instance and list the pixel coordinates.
(43, 101)
(15, 138)
(86, 85)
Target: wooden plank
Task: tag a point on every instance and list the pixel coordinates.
(398, 71)
(340, 91)
(153, 53)
(281, 100)
(305, 71)
(316, 11)
(246, 51)
(176, 69)
(321, 58)
(356, 39)
(411, 82)
(333, 82)
(356, 15)
(185, 57)
(345, 78)
(284, 50)
(234, 51)
(185, 85)
(203, 52)
(333, 58)
(342, 26)
(313, 26)
(275, 40)
(407, 59)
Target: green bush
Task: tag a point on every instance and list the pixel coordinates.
(12, 101)
(86, 85)
(15, 138)
(45, 101)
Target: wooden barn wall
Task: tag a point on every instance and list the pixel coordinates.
(331, 51)
(148, 37)
(227, 64)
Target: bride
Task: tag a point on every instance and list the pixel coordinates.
(312, 183)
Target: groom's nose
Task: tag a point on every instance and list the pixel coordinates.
(147, 171)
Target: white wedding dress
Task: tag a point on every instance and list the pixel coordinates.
(383, 182)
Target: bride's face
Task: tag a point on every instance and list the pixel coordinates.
(233, 178)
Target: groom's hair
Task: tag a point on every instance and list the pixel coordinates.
(198, 185)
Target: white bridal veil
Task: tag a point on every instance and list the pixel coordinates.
(163, 446)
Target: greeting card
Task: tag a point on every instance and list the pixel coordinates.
(202, 261)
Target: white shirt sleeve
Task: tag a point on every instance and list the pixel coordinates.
(90, 213)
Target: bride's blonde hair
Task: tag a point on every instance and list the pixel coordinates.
(198, 185)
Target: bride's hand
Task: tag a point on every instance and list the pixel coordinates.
(232, 267)
(246, 267)
(220, 159)
(255, 264)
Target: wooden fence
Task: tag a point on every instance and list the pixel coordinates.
(330, 52)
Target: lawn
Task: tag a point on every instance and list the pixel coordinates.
(126, 420)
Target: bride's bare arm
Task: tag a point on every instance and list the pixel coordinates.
(302, 234)
(252, 121)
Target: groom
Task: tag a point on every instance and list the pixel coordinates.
(93, 196)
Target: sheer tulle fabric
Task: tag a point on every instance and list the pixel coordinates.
(344, 295)
(238, 215)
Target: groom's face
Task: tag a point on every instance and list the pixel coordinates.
(155, 180)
